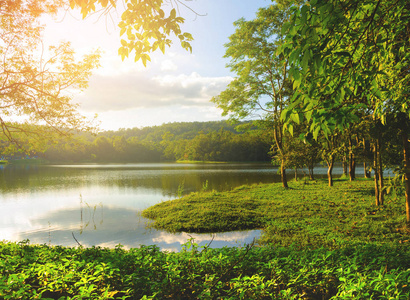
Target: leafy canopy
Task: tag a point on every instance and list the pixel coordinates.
(347, 56)
(36, 83)
(261, 82)
(146, 25)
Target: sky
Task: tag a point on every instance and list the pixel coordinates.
(174, 87)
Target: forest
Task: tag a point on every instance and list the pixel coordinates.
(195, 141)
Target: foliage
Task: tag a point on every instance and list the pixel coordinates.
(356, 272)
(208, 141)
(145, 26)
(347, 56)
(178, 130)
(262, 84)
(301, 153)
(35, 81)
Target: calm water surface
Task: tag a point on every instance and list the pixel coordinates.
(101, 204)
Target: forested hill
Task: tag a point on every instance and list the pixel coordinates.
(180, 130)
(195, 141)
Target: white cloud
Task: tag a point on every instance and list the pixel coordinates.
(135, 89)
(168, 65)
(141, 117)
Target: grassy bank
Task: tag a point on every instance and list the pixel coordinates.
(308, 214)
(320, 243)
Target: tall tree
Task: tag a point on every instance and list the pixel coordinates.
(34, 83)
(261, 85)
(348, 55)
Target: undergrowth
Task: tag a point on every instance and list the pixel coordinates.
(357, 272)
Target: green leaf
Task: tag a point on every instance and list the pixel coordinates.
(296, 75)
(304, 10)
(285, 27)
(305, 60)
(295, 117)
(316, 132)
(290, 129)
(285, 114)
(294, 55)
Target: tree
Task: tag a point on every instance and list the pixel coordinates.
(261, 84)
(330, 150)
(346, 56)
(34, 83)
(303, 152)
(145, 24)
(104, 149)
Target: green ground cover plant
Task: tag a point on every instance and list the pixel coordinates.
(364, 271)
(320, 242)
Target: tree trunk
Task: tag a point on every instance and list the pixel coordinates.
(344, 165)
(380, 171)
(311, 176)
(352, 160)
(352, 167)
(278, 140)
(330, 164)
(406, 153)
(283, 174)
(296, 174)
(378, 174)
(366, 173)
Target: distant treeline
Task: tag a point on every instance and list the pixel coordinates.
(197, 141)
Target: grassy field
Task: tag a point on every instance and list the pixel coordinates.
(309, 213)
(320, 242)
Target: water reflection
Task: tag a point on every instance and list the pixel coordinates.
(108, 227)
(161, 177)
(101, 204)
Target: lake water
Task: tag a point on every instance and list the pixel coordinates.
(101, 204)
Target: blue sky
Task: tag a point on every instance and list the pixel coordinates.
(174, 87)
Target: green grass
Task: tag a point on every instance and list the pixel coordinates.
(307, 214)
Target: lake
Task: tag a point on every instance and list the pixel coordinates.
(101, 204)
